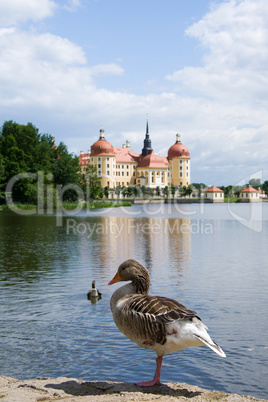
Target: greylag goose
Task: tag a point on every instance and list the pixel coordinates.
(154, 322)
(93, 293)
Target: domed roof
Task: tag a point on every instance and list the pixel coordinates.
(178, 150)
(102, 147)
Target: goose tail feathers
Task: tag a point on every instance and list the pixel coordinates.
(212, 345)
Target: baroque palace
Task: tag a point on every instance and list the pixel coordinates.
(121, 166)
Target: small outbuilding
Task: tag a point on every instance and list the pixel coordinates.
(249, 194)
(214, 194)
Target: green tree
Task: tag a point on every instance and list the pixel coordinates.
(136, 191)
(166, 191)
(106, 191)
(130, 191)
(158, 191)
(265, 186)
(64, 166)
(92, 182)
(173, 190)
(124, 191)
(23, 150)
(189, 190)
(2, 179)
(143, 190)
(117, 191)
(66, 172)
(256, 183)
(184, 191)
(227, 190)
(151, 192)
(200, 187)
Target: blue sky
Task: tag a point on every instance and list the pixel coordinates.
(197, 67)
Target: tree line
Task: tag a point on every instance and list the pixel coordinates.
(23, 149)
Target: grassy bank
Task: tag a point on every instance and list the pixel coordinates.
(231, 199)
(97, 204)
(73, 205)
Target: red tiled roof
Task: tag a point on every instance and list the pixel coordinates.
(125, 155)
(153, 161)
(249, 189)
(213, 189)
(84, 158)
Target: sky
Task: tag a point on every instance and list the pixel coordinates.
(195, 67)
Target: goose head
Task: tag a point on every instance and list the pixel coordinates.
(132, 270)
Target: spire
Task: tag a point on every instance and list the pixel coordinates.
(147, 147)
(147, 129)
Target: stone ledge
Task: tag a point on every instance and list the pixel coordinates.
(73, 390)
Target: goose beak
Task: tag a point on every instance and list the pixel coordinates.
(116, 278)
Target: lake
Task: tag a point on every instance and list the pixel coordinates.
(212, 258)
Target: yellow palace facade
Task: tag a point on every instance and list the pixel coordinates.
(121, 166)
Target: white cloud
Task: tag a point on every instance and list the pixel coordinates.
(221, 114)
(15, 11)
(234, 36)
(232, 83)
(111, 68)
(46, 70)
(72, 5)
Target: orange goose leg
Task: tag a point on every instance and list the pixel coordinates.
(156, 379)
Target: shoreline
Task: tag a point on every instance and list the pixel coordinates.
(74, 390)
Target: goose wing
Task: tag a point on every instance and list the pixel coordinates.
(150, 314)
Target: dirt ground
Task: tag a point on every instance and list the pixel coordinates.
(73, 390)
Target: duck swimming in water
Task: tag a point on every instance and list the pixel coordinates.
(94, 293)
(154, 322)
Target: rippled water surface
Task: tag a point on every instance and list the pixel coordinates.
(212, 258)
